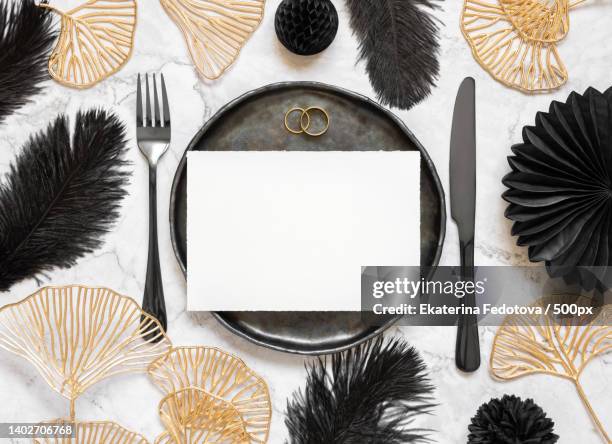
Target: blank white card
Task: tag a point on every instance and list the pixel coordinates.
(290, 231)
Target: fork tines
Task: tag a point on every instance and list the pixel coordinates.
(152, 116)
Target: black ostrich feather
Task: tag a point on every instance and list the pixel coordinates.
(370, 394)
(26, 36)
(510, 420)
(60, 196)
(398, 40)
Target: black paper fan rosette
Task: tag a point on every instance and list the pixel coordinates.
(560, 189)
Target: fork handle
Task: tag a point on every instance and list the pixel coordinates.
(153, 300)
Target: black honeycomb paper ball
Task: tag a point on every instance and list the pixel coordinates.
(306, 27)
(510, 420)
(560, 189)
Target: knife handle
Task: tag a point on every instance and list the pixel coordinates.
(467, 351)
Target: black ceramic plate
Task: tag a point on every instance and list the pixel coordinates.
(255, 122)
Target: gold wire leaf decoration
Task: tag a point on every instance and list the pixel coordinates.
(215, 30)
(526, 64)
(96, 41)
(94, 433)
(538, 344)
(194, 416)
(540, 20)
(77, 336)
(222, 375)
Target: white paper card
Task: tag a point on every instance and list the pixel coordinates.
(290, 231)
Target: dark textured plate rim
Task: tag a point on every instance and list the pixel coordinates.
(326, 88)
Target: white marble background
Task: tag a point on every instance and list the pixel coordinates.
(120, 264)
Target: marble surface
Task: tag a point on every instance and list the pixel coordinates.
(120, 263)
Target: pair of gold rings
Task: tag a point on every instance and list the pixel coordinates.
(305, 121)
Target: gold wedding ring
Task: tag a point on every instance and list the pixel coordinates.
(303, 113)
(306, 121)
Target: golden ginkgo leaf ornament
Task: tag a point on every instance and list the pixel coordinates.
(516, 40)
(222, 376)
(544, 21)
(77, 336)
(96, 41)
(540, 344)
(215, 30)
(195, 416)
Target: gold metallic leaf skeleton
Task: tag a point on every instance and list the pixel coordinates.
(95, 41)
(77, 336)
(532, 344)
(215, 30)
(516, 40)
(193, 416)
(210, 377)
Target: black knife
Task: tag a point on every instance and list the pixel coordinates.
(463, 212)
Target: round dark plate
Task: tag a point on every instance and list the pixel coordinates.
(255, 122)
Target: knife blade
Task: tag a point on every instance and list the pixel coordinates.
(463, 212)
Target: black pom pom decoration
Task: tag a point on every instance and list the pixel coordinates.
(306, 27)
(560, 189)
(511, 420)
